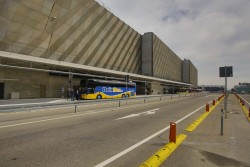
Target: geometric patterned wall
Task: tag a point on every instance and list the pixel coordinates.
(193, 75)
(76, 31)
(166, 64)
(189, 73)
(158, 60)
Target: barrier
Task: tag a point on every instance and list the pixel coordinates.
(198, 121)
(243, 106)
(249, 112)
(172, 132)
(207, 107)
(161, 155)
(213, 102)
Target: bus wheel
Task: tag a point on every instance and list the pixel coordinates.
(99, 97)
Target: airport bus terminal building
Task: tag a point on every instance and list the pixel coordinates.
(47, 46)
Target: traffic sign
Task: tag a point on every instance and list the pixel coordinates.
(226, 70)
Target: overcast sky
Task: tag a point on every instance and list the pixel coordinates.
(211, 33)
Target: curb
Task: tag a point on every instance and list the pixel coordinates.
(244, 109)
(162, 154)
(198, 121)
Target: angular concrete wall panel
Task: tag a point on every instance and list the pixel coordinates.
(66, 30)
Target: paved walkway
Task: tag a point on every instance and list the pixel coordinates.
(206, 147)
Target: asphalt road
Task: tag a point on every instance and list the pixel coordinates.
(124, 136)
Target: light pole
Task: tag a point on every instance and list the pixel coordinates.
(225, 90)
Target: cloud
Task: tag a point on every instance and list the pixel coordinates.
(210, 33)
(175, 15)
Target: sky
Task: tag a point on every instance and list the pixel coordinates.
(211, 33)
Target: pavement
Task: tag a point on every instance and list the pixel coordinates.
(30, 101)
(206, 147)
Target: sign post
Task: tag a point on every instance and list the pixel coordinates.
(226, 71)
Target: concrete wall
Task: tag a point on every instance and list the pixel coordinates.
(193, 75)
(189, 73)
(147, 54)
(33, 84)
(77, 31)
(156, 88)
(80, 32)
(186, 71)
(165, 63)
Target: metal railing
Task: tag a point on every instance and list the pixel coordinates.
(91, 104)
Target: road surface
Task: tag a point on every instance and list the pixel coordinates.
(124, 136)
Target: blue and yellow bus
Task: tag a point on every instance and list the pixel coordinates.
(104, 89)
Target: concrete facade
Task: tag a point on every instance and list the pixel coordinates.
(189, 73)
(193, 75)
(158, 60)
(80, 32)
(77, 31)
(147, 54)
(33, 84)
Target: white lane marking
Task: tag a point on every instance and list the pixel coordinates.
(142, 113)
(91, 112)
(51, 119)
(106, 162)
(56, 101)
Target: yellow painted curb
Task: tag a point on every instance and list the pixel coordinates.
(198, 121)
(162, 154)
(244, 109)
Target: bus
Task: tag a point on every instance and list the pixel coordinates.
(104, 89)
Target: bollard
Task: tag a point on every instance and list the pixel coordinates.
(172, 132)
(249, 112)
(213, 102)
(221, 123)
(160, 98)
(207, 107)
(119, 103)
(144, 100)
(75, 108)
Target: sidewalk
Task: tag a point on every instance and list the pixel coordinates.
(31, 101)
(206, 147)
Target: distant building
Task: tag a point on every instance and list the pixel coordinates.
(212, 88)
(242, 88)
